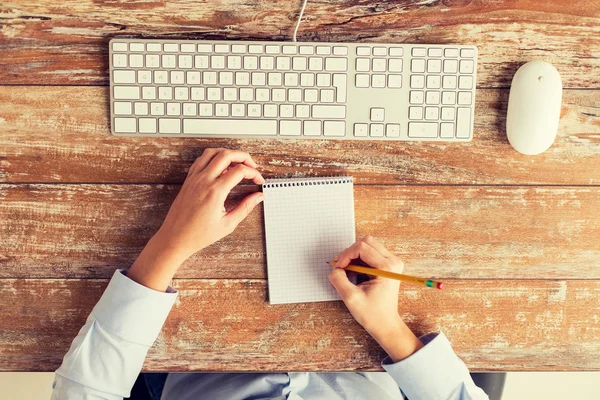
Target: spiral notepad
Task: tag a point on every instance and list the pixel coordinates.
(307, 222)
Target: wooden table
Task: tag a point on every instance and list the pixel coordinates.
(516, 238)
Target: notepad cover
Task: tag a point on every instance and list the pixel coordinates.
(307, 223)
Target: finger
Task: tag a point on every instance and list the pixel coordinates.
(235, 175)
(341, 283)
(224, 159)
(241, 211)
(366, 253)
(202, 161)
(374, 243)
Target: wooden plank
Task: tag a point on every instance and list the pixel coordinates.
(450, 232)
(228, 326)
(61, 134)
(46, 42)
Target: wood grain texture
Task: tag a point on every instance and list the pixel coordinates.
(54, 231)
(65, 42)
(221, 325)
(61, 134)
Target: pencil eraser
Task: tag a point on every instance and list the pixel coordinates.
(440, 285)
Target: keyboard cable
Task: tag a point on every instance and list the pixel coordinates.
(299, 19)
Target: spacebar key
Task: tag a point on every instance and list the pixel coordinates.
(230, 127)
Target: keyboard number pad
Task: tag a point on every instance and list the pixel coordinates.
(440, 94)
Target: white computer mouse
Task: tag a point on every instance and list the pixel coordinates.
(534, 108)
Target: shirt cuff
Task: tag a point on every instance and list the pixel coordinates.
(433, 372)
(133, 311)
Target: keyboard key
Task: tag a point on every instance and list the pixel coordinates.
(378, 81)
(152, 61)
(193, 78)
(267, 63)
(432, 97)
(165, 93)
(275, 78)
(290, 128)
(171, 47)
(201, 62)
(417, 81)
(379, 64)
(205, 48)
(395, 81)
(447, 113)
(204, 110)
(283, 63)
(329, 111)
(307, 79)
(327, 96)
(246, 94)
(286, 111)
(173, 109)
(278, 95)
(262, 94)
(221, 48)
(270, 111)
(417, 65)
(116, 46)
(464, 98)
(168, 61)
(147, 125)
(395, 65)
(295, 95)
(155, 47)
(181, 93)
(188, 48)
(189, 109)
(361, 130)
(416, 97)
(272, 49)
(419, 52)
(259, 79)
(149, 92)
(467, 53)
(311, 95)
(323, 50)
(466, 66)
(448, 98)
(422, 130)
(323, 80)
(379, 51)
(302, 111)
(217, 62)
(334, 128)
(250, 62)
(340, 51)
(197, 93)
(307, 50)
(214, 126)
(312, 128)
(289, 50)
(136, 61)
(434, 52)
(125, 125)
(124, 76)
(433, 81)
(315, 64)
(238, 48)
(242, 78)
(120, 60)
(339, 82)
(434, 66)
(396, 51)
(463, 123)
(254, 111)
(432, 113)
(336, 64)
(234, 62)
(363, 51)
(392, 130)
(157, 108)
(363, 65)
(376, 130)
(415, 113)
(290, 79)
(446, 130)
(450, 66)
(377, 114)
(449, 82)
(161, 77)
(177, 78)
(255, 49)
(126, 92)
(362, 81)
(169, 125)
(214, 94)
(122, 107)
(185, 61)
(451, 53)
(465, 82)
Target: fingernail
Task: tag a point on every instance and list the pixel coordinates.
(260, 199)
(336, 258)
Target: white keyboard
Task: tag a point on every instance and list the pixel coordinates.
(354, 91)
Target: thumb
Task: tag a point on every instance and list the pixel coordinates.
(341, 283)
(241, 211)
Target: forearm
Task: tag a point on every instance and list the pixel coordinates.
(396, 338)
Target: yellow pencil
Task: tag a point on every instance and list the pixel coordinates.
(392, 275)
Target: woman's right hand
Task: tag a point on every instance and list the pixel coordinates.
(374, 303)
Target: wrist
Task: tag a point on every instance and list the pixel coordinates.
(396, 338)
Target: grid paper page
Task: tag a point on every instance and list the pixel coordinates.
(307, 223)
